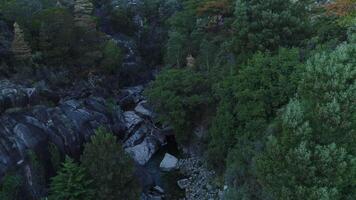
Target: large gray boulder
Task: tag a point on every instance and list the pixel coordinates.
(169, 163)
(143, 152)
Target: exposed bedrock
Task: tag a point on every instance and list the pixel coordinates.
(71, 123)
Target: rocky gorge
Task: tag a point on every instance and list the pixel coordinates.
(47, 107)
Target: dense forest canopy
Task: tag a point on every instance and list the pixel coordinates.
(273, 83)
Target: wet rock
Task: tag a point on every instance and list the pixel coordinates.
(143, 152)
(168, 163)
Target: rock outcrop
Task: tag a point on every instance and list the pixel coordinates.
(13, 96)
(67, 125)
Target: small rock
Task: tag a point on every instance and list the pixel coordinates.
(183, 183)
(168, 163)
(158, 189)
(142, 109)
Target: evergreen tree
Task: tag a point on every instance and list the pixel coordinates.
(110, 167)
(266, 25)
(71, 183)
(180, 96)
(312, 154)
(56, 35)
(249, 101)
(112, 57)
(10, 187)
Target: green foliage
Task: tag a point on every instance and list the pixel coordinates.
(88, 47)
(267, 25)
(56, 156)
(112, 57)
(10, 188)
(20, 11)
(180, 95)
(110, 167)
(176, 50)
(312, 156)
(72, 182)
(249, 101)
(38, 173)
(56, 35)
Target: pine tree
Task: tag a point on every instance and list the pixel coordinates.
(312, 155)
(269, 24)
(71, 183)
(11, 186)
(110, 167)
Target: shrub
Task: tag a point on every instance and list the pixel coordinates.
(110, 167)
(10, 189)
(71, 182)
(112, 57)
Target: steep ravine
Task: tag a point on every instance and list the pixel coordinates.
(39, 112)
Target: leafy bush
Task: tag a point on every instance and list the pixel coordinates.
(180, 96)
(110, 167)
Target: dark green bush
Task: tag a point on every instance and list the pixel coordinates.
(110, 167)
(71, 182)
(112, 57)
(11, 187)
